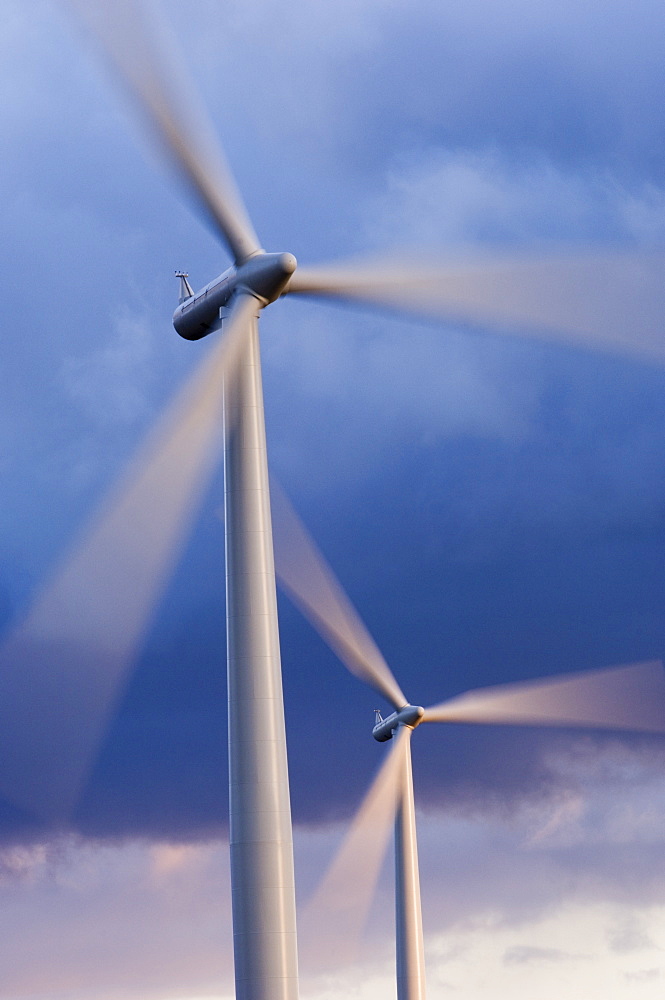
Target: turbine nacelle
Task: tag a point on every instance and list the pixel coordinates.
(410, 715)
(264, 275)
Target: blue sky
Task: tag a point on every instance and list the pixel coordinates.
(493, 505)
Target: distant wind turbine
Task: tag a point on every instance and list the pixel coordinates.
(619, 698)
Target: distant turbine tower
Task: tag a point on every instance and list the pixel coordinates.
(620, 698)
(65, 663)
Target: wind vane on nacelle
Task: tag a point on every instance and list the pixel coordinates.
(186, 290)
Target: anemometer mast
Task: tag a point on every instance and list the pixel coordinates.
(186, 290)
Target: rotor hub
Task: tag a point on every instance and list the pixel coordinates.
(266, 275)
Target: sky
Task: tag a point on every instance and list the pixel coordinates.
(492, 503)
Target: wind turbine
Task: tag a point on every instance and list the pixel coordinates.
(619, 698)
(64, 664)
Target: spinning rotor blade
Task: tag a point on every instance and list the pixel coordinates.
(314, 589)
(143, 55)
(615, 302)
(62, 668)
(342, 901)
(631, 698)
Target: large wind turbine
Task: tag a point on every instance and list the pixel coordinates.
(619, 698)
(63, 666)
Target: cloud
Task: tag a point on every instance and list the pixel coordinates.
(526, 954)
(628, 935)
(110, 921)
(644, 976)
(443, 196)
(493, 508)
(151, 918)
(108, 385)
(479, 967)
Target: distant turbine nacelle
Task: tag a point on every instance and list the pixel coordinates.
(410, 715)
(265, 275)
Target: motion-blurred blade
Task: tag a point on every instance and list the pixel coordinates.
(342, 901)
(62, 668)
(612, 301)
(629, 697)
(145, 57)
(314, 589)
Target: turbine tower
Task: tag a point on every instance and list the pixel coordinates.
(619, 698)
(262, 875)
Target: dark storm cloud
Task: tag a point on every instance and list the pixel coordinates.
(571, 82)
(453, 607)
(495, 510)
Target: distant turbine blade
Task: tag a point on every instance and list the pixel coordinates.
(311, 584)
(62, 668)
(342, 901)
(630, 697)
(143, 54)
(611, 301)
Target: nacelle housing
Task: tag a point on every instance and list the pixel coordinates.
(264, 275)
(410, 715)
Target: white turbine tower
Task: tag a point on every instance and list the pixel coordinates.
(619, 698)
(63, 666)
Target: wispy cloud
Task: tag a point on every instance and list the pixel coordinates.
(525, 954)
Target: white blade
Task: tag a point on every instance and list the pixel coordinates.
(341, 903)
(615, 302)
(144, 56)
(62, 668)
(630, 697)
(311, 584)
